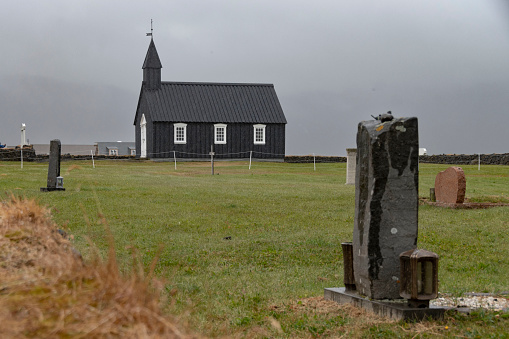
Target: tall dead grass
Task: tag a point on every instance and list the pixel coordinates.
(46, 290)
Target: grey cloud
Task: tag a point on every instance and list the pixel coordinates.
(78, 64)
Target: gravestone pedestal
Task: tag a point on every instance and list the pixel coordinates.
(54, 167)
(386, 203)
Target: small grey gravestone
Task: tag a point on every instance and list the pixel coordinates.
(55, 181)
(386, 203)
(351, 155)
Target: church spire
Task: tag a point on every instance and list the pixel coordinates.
(152, 68)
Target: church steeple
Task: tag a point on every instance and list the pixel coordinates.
(152, 68)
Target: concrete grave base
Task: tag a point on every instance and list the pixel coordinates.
(394, 309)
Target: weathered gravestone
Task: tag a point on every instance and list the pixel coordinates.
(351, 162)
(450, 186)
(54, 177)
(386, 203)
(386, 209)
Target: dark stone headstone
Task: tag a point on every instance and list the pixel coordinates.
(53, 167)
(386, 203)
(450, 186)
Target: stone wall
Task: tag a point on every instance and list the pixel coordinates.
(309, 159)
(449, 159)
(465, 159)
(11, 154)
(87, 157)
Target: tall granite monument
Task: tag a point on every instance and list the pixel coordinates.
(386, 203)
(55, 181)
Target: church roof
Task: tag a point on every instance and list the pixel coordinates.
(152, 58)
(214, 103)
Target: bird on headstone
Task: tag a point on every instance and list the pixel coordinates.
(384, 117)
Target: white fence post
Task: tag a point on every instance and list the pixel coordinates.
(314, 162)
(250, 156)
(21, 156)
(175, 158)
(212, 159)
(93, 162)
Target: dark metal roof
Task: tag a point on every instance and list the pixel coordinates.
(214, 102)
(152, 58)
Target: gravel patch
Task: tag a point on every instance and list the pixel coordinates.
(488, 301)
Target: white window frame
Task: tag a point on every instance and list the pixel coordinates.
(262, 128)
(133, 151)
(175, 134)
(218, 127)
(113, 151)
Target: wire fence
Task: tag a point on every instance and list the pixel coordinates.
(29, 155)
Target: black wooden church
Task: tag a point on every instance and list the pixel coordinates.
(188, 117)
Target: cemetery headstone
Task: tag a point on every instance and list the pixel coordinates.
(386, 210)
(351, 161)
(450, 186)
(55, 181)
(386, 203)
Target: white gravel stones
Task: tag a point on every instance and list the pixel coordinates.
(473, 301)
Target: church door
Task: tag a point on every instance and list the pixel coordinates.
(143, 126)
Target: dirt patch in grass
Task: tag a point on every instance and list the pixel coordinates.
(216, 164)
(72, 168)
(175, 173)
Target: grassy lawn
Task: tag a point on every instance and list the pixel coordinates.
(246, 252)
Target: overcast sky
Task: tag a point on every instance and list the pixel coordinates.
(72, 69)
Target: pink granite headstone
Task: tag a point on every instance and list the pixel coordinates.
(450, 186)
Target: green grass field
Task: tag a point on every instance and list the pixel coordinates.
(283, 225)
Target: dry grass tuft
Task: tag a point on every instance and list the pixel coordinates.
(357, 321)
(47, 291)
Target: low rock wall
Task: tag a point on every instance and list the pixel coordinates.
(64, 157)
(10, 154)
(310, 159)
(449, 159)
(465, 159)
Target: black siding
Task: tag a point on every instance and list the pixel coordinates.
(200, 136)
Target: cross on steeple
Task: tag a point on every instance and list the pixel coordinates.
(152, 65)
(151, 29)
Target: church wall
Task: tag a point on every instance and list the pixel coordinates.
(200, 136)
